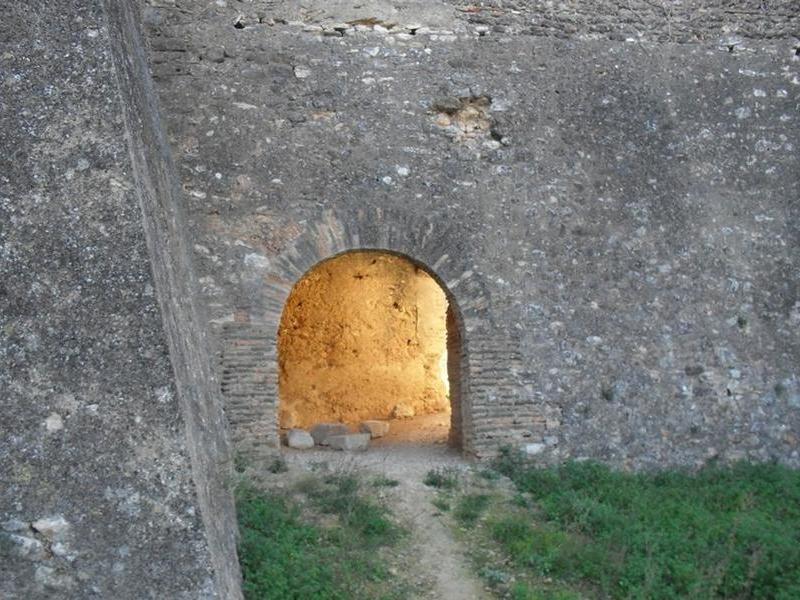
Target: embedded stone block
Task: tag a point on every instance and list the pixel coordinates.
(299, 439)
(375, 429)
(51, 527)
(349, 441)
(536, 448)
(322, 431)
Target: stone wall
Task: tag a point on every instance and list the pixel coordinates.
(609, 195)
(486, 368)
(249, 383)
(114, 455)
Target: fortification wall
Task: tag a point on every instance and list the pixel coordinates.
(617, 186)
(113, 450)
(609, 195)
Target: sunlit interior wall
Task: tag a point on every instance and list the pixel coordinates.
(360, 334)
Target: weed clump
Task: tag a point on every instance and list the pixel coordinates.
(369, 520)
(383, 481)
(443, 478)
(278, 465)
(469, 508)
(441, 503)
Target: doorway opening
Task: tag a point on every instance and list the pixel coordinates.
(371, 335)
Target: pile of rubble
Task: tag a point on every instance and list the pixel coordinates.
(336, 436)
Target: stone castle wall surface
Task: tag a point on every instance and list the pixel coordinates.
(609, 194)
(113, 448)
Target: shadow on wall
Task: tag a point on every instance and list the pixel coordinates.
(368, 335)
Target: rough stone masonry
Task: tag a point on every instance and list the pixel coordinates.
(609, 193)
(114, 459)
(608, 190)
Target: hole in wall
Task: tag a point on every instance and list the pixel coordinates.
(371, 335)
(465, 118)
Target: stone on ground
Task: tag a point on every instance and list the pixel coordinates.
(322, 431)
(403, 411)
(375, 429)
(349, 441)
(300, 439)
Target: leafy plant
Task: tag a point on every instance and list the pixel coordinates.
(494, 577)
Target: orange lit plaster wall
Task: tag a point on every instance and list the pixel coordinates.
(360, 334)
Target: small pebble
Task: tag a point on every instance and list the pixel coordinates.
(54, 422)
(302, 72)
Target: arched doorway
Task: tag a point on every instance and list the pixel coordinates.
(371, 334)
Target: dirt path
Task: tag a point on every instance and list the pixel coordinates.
(438, 560)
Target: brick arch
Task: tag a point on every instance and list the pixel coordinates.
(423, 240)
(249, 348)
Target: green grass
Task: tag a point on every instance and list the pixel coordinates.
(285, 553)
(469, 508)
(358, 514)
(718, 533)
(523, 591)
